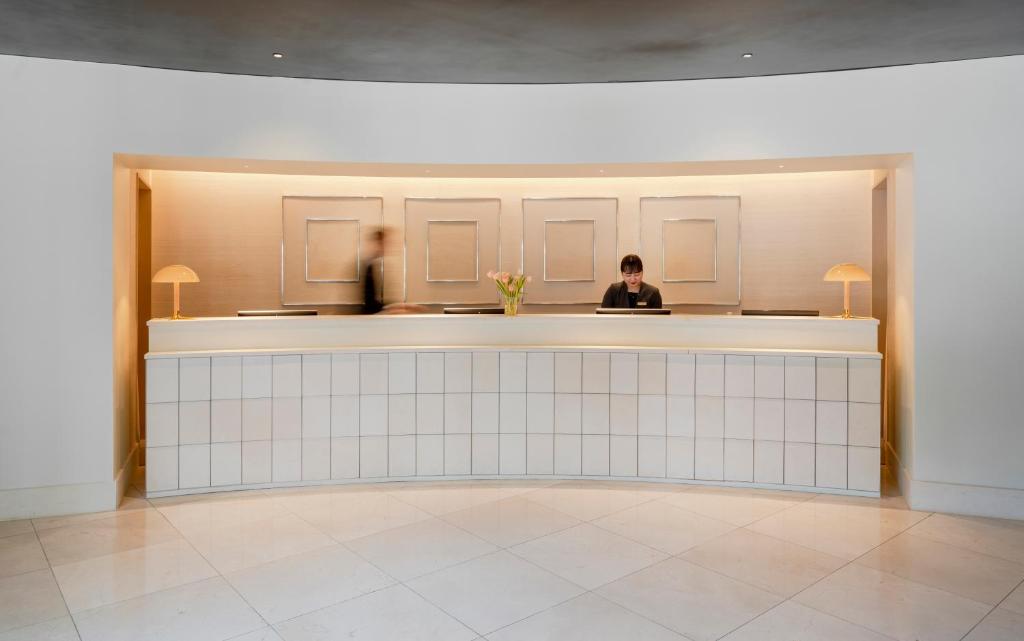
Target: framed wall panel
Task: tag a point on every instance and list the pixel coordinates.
(691, 248)
(453, 251)
(322, 240)
(570, 251)
(449, 242)
(569, 247)
(326, 240)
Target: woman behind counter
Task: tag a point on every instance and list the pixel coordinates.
(632, 291)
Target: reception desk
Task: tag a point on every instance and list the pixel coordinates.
(775, 402)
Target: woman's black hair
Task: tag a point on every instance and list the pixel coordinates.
(633, 262)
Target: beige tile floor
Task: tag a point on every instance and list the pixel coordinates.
(512, 561)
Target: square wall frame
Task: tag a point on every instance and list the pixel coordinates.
(693, 282)
(563, 261)
(573, 263)
(461, 280)
(298, 285)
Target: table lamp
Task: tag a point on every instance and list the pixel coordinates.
(176, 274)
(846, 273)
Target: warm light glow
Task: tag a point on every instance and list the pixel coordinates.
(847, 273)
(747, 55)
(278, 55)
(176, 274)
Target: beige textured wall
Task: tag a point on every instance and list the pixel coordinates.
(228, 228)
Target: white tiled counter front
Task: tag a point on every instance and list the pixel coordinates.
(768, 418)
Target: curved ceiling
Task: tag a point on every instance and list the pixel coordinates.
(512, 41)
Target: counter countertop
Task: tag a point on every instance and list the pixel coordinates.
(695, 332)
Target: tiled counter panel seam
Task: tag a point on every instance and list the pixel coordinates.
(234, 421)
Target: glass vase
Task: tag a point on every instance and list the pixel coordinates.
(511, 307)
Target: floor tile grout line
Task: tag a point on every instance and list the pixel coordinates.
(32, 529)
(49, 567)
(53, 575)
(274, 626)
(219, 574)
(616, 511)
(677, 558)
(621, 536)
(275, 560)
(394, 583)
(17, 574)
(22, 628)
(800, 545)
(803, 503)
(744, 582)
(447, 567)
(993, 609)
(994, 557)
(853, 562)
(506, 547)
(797, 603)
(559, 604)
(954, 545)
(743, 527)
(446, 612)
(100, 516)
(552, 572)
(782, 598)
(631, 610)
(752, 619)
(714, 518)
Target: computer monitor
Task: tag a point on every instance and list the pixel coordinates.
(277, 312)
(474, 310)
(635, 311)
(779, 312)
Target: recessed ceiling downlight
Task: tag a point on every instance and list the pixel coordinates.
(747, 55)
(278, 55)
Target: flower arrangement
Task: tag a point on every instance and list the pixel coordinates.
(511, 289)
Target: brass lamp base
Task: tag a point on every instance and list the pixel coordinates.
(177, 305)
(846, 315)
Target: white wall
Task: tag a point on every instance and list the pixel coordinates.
(62, 121)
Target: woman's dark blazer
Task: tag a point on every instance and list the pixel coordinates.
(649, 297)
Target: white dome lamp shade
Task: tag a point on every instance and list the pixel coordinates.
(847, 273)
(176, 274)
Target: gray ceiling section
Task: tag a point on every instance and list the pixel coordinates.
(512, 41)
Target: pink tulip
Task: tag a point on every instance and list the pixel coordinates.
(490, 274)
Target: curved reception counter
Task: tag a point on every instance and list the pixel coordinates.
(774, 402)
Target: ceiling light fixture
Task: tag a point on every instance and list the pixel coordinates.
(747, 55)
(278, 55)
